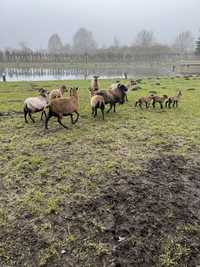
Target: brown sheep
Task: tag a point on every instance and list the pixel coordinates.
(95, 85)
(97, 101)
(144, 100)
(174, 100)
(160, 100)
(57, 93)
(114, 96)
(64, 106)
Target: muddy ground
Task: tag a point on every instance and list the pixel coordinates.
(148, 219)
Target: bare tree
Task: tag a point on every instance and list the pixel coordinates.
(145, 38)
(55, 44)
(83, 41)
(184, 42)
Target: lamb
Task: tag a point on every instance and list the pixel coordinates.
(97, 101)
(36, 104)
(174, 100)
(95, 85)
(57, 93)
(144, 100)
(160, 100)
(113, 96)
(64, 106)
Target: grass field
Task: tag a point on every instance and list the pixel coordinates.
(120, 192)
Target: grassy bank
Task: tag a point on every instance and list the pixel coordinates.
(119, 192)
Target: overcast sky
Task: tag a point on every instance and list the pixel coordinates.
(33, 21)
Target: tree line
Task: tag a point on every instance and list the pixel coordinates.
(84, 48)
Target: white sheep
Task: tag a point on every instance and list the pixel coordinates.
(36, 104)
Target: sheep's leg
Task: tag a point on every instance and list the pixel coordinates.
(173, 104)
(71, 116)
(111, 105)
(126, 97)
(167, 104)
(76, 117)
(43, 113)
(95, 112)
(154, 104)
(136, 103)
(114, 107)
(161, 105)
(60, 122)
(47, 119)
(176, 103)
(30, 116)
(102, 111)
(25, 115)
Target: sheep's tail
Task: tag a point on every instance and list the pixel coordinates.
(102, 105)
(25, 107)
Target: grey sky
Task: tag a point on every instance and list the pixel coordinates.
(33, 21)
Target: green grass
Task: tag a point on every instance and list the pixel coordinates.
(47, 175)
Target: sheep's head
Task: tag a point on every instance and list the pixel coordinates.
(122, 87)
(74, 91)
(95, 78)
(43, 92)
(179, 93)
(64, 88)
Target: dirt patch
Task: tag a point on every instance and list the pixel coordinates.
(143, 220)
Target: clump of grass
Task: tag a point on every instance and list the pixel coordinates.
(174, 252)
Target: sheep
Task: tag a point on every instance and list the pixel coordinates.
(160, 100)
(57, 93)
(36, 104)
(144, 100)
(97, 101)
(64, 106)
(113, 96)
(115, 85)
(173, 100)
(95, 85)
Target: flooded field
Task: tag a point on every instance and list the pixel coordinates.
(60, 73)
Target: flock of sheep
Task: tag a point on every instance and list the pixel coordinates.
(58, 105)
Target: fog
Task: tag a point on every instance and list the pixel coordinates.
(33, 21)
